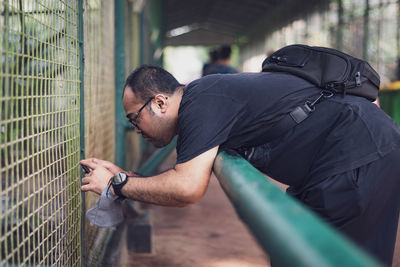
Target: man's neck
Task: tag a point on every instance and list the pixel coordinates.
(176, 102)
(225, 62)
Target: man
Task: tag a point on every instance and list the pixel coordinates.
(224, 60)
(220, 62)
(342, 161)
(211, 66)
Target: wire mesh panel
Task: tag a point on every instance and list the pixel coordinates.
(99, 79)
(40, 205)
(99, 102)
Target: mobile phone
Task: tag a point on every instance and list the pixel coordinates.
(85, 169)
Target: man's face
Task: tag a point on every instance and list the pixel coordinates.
(155, 124)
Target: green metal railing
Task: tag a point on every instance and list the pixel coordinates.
(288, 232)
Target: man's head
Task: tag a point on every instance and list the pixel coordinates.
(151, 102)
(213, 55)
(225, 52)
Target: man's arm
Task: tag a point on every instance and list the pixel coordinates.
(184, 184)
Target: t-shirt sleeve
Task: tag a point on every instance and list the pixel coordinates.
(205, 123)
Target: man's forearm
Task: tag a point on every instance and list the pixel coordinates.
(135, 174)
(167, 189)
(185, 184)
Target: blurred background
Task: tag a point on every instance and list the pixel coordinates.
(367, 29)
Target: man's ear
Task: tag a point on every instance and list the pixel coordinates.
(161, 102)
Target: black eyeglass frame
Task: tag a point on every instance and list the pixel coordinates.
(134, 117)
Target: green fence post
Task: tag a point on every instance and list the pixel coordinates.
(120, 124)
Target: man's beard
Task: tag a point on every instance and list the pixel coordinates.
(168, 127)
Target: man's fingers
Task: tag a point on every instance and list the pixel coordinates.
(85, 180)
(107, 164)
(102, 162)
(91, 188)
(86, 188)
(91, 163)
(110, 166)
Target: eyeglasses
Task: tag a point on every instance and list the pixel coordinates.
(134, 117)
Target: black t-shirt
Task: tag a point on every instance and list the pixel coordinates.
(235, 110)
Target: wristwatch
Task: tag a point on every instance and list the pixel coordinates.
(117, 182)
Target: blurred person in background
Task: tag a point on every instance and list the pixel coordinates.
(224, 60)
(211, 66)
(220, 62)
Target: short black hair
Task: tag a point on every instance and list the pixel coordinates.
(146, 81)
(225, 52)
(213, 54)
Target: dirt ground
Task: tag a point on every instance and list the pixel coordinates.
(208, 233)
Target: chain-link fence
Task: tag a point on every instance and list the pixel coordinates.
(40, 219)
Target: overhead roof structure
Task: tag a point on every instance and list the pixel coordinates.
(214, 22)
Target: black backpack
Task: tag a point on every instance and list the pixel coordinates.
(327, 68)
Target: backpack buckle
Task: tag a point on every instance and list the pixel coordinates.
(309, 106)
(358, 78)
(299, 114)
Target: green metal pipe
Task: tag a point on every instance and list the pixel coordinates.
(120, 124)
(82, 121)
(151, 165)
(288, 232)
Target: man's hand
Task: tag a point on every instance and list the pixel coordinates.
(106, 164)
(100, 175)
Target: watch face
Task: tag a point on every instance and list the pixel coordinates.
(119, 178)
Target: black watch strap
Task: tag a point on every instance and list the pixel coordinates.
(118, 187)
(117, 184)
(117, 191)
